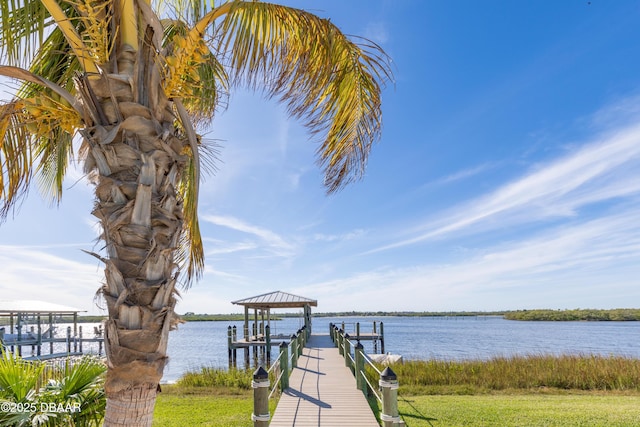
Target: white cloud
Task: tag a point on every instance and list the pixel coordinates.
(273, 242)
(339, 237)
(34, 272)
(566, 260)
(460, 175)
(597, 172)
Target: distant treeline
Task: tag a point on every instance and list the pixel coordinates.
(617, 314)
(192, 317)
(409, 313)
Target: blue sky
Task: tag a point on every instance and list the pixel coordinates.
(507, 176)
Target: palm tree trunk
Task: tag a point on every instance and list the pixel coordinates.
(137, 158)
(132, 408)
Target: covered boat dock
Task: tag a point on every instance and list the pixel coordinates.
(259, 336)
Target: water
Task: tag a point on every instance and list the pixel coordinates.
(197, 344)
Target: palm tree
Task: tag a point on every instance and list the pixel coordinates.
(134, 87)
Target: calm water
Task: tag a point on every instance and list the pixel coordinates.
(197, 344)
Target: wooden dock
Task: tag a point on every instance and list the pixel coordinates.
(322, 391)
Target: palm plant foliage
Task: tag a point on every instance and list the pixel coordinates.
(33, 393)
(133, 80)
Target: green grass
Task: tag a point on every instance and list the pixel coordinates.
(205, 406)
(568, 372)
(208, 397)
(531, 410)
(532, 391)
(219, 407)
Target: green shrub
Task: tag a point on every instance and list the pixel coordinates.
(35, 393)
(216, 377)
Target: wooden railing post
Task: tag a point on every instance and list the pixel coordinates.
(347, 351)
(260, 385)
(300, 342)
(389, 386)
(331, 331)
(284, 366)
(359, 369)
(382, 338)
(341, 342)
(294, 351)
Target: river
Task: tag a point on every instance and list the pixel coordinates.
(197, 344)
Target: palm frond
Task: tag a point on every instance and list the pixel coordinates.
(329, 81)
(18, 377)
(22, 29)
(192, 253)
(43, 130)
(193, 72)
(95, 20)
(16, 156)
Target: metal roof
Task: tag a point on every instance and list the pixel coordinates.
(32, 306)
(277, 299)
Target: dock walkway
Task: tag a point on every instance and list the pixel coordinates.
(322, 391)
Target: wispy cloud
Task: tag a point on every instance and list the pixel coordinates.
(460, 175)
(599, 171)
(338, 237)
(558, 263)
(35, 272)
(271, 240)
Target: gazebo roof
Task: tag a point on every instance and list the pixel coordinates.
(277, 299)
(32, 306)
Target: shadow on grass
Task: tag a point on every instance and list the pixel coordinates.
(418, 415)
(375, 407)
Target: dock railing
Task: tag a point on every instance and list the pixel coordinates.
(266, 383)
(366, 373)
(69, 345)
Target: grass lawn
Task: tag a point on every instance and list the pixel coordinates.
(186, 407)
(221, 407)
(522, 410)
(534, 391)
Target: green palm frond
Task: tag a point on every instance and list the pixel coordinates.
(16, 156)
(18, 378)
(38, 126)
(22, 29)
(323, 77)
(36, 130)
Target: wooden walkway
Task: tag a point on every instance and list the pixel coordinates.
(322, 391)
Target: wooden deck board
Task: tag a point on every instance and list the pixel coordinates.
(322, 392)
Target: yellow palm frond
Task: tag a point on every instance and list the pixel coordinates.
(65, 25)
(96, 19)
(192, 72)
(329, 81)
